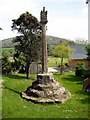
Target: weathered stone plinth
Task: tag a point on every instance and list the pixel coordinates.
(46, 90)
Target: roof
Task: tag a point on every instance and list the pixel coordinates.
(79, 53)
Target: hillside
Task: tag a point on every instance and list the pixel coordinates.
(7, 43)
(79, 53)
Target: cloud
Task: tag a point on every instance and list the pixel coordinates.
(85, 10)
(14, 8)
(60, 1)
(68, 27)
(60, 23)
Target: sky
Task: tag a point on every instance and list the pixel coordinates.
(66, 18)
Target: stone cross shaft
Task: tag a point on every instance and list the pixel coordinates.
(43, 21)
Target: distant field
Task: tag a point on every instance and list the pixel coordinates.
(54, 62)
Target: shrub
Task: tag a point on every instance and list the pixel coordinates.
(87, 73)
(80, 69)
(6, 66)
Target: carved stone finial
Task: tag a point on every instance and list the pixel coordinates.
(1, 29)
(43, 16)
(87, 1)
(43, 9)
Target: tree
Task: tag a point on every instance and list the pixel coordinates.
(29, 41)
(62, 51)
(6, 61)
(88, 51)
(81, 41)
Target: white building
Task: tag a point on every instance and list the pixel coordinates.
(88, 2)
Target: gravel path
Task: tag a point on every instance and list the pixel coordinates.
(53, 69)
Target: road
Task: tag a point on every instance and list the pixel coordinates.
(53, 69)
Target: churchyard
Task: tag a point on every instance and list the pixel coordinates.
(42, 95)
(13, 106)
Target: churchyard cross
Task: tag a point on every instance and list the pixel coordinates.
(43, 21)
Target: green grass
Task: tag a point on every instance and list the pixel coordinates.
(54, 61)
(13, 106)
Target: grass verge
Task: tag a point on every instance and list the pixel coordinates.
(13, 106)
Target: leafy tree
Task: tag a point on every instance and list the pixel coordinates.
(6, 62)
(62, 51)
(49, 49)
(88, 51)
(7, 52)
(29, 41)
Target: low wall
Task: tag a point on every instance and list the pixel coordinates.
(73, 62)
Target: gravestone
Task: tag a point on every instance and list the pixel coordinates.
(35, 68)
(86, 85)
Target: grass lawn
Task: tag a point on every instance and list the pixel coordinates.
(55, 61)
(13, 106)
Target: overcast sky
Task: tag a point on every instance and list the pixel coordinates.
(66, 18)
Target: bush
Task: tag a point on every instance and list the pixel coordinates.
(80, 69)
(6, 66)
(87, 73)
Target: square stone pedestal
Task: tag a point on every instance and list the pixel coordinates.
(45, 78)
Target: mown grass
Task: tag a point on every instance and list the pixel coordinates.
(13, 106)
(55, 61)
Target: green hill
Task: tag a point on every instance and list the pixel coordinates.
(55, 40)
(79, 48)
(7, 43)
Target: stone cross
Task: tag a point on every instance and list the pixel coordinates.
(87, 1)
(43, 21)
(0, 28)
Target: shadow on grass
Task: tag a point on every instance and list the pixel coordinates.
(81, 91)
(17, 92)
(71, 78)
(86, 99)
(74, 78)
(19, 77)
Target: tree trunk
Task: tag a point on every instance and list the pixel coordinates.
(61, 70)
(27, 70)
(37, 68)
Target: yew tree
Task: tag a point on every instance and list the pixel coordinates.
(28, 42)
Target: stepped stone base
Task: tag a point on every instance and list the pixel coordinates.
(46, 90)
